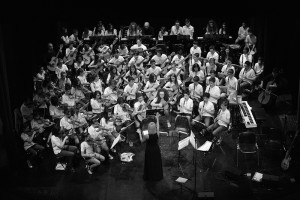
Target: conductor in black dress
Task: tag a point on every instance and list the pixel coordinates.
(153, 164)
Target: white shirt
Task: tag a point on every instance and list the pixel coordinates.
(118, 110)
(65, 123)
(86, 148)
(246, 76)
(175, 31)
(107, 124)
(207, 106)
(68, 50)
(216, 82)
(176, 60)
(225, 69)
(186, 104)
(82, 79)
(131, 91)
(94, 132)
(116, 60)
(138, 60)
(192, 62)
(111, 96)
(231, 84)
(215, 91)
(97, 86)
(200, 74)
(155, 70)
(27, 141)
(173, 72)
(244, 58)
(58, 70)
(160, 59)
(134, 47)
(96, 106)
(194, 50)
(54, 111)
(78, 65)
(149, 86)
(210, 67)
(56, 141)
(196, 91)
(188, 30)
(224, 118)
(258, 69)
(215, 55)
(67, 100)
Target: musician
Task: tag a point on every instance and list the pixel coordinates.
(206, 111)
(160, 58)
(34, 149)
(122, 111)
(87, 51)
(221, 122)
(41, 100)
(225, 53)
(60, 148)
(259, 67)
(162, 33)
(104, 50)
(246, 56)
(108, 126)
(114, 75)
(70, 49)
(99, 31)
(212, 54)
(79, 63)
(111, 30)
(211, 65)
(97, 134)
(223, 29)
(196, 59)
(138, 46)
(224, 71)
(96, 104)
(134, 73)
(130, 91)
(96, 84)
(137, 60)
(87, 34)
(117, 61)
(63, 81)
(64, 36)
(246, 77)
(54, 110)
(196, 90)
(250, 40)
(67, 125)
(147, 29)
(188, 29)
(197, 72)
(161, 102)
(110, 93)
(212, 75)
(51, 53)
(174, 70)
(231, 84)
(133, 30)
(242, 33)
(213, 90)
(139, 109)
(178, 59)
(123, 50)
(151, 86)
(41, 74)
(81, 93)
(74, 37)
(90, 155)
(41, 125)
(195, 48)
(82, 76)
(211, 28)
(186, 105)
(176, 29)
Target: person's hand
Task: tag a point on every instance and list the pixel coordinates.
(66, 137)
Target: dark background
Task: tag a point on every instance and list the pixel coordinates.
(27, 27)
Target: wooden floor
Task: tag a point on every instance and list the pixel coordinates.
(215, 172)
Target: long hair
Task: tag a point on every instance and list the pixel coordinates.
(175, 81)
(166, 96)
(195, 65)
(152, 78)
(135, 71)
(133, 30)
(213, 29)
(110, 28)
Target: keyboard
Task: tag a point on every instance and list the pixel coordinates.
(247, 115)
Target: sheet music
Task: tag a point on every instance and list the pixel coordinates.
(192, 140)
(183, 143)
(206, 146)
(116, 141)
(145, 132)
(181, 180)
(257, 177)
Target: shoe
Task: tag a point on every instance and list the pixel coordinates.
(29, 164)
(110, 157)
(169, 125)
(89, 170)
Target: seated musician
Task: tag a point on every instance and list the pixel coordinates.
(122, 111)
(79, 64)
(41, 101)
(246, 56)
(138, 45)
(60, 147)
(259, 68)
(108, 126)
(42, 127)
(174, 70)
(97, 134)
(87, 34)
(96, 84)
(123, 50)
(242, 33)
(67, 125)
(246, 77)
(134, 73)
(223, 74)
(41, 74)
(197, 72)
(110, 92)
(74, 37)
(221, 123)
(211, 27)
(195, 48)
(211, 65)
(33, 148)
(186, 105)
(212, 74)
(188, 29)
(68, 98)
(206, 111)
(214, 91)
(111, 30)
(137, 60)
(63, 80)
(178, 59)
(117, 61)
(231, 84)
(80, 122)
(196, 92)
(173, 83)
(212, 54)
(153, 69)
(70, 49)
(82, 94)
(96, 104)
(54, 110)
(82, 76)
(162, 33)
(60, 68)
(161, 102)
(130, 91)
(196, 59)
(89, 154)
(87, 51)
(99, 31)
(147, 29)
(139, 110)
(250, 41)
(151, 87)
(160, 58)
(176, 29)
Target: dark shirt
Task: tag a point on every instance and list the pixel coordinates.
(148, 31)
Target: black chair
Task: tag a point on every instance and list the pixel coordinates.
(247, 144)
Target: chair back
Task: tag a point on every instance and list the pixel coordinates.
(182, 124)
(248, 138)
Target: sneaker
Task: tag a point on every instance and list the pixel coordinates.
(169, 125)
(110, 157)
(89, 170)
(29, 164)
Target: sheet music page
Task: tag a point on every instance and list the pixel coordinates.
(115, 141)
(181, 180)
(257, 177)
(183, 143)
(145, 132)
(192, 140)
(206, 146)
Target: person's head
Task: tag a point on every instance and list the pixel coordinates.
(159, 52)
(179, 52)
(260, 60)
(223, 25)
(60, 62)
(173, 78)
(196, 80)
(140, 96)
(71, 45)
(186, 94)
(68, 88)
(177, 23)
(54, 100)
(113, 70)
(116, 55)
(97, 94)
(212, 73)
(229, 61)
(132, 69)
(212, 49)
(211, 61)
(230, 73)
(187, 22)
(247, 64)
(195, 44)
(41, 69)
(152, 63)
(96, 77)
(152, 77)
(250, 31)
(113, 83)
(196, 56)
(63, 75)
(227, 50)
(146, 25)
(224, 104)
(120, 101)
(75, 32)
(212, 81)
(139, 42)
(245, 50)
(244, 24)
(206, 96)
(50, 46)
(196, 67)
(130, 81)
(80, 71)
(89, 139)
(162, 29)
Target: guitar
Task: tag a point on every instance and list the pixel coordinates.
(69, 60)
(87, 55)
(54, 60)
(163, 64)
(142, 109)
(287, 158)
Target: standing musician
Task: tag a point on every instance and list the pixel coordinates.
(186, 105)
(206, 111)
(130, 91)
(151, 87)
(137, 60)
(246, 77)
(188, 29)
(67, 125)
(96, 104)
(196, 92)
(133, 30)
(97, 84)
(110, 93)
(176, 29)
(134, 73)
(161, 102)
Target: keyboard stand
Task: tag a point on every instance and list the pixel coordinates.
(260, 117)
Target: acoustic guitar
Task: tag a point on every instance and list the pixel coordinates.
(54, 60)
(69, 60)
(87, 55)
(285, 163)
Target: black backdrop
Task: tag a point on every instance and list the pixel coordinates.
(26, 30)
